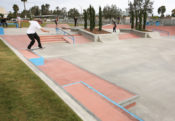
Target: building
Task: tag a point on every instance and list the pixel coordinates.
(3, 11)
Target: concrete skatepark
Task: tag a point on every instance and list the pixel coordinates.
(143, 66)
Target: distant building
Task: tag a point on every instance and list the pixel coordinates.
(3, 11)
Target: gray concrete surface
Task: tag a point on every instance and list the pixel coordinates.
(144, 66)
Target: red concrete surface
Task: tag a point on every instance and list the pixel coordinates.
(22, 41)
(104, 110)
(170, 29)
(19, 41)
(28, 54)
(79, 39)
(65, 26)
(65, 73)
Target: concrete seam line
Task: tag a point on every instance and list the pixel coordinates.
(79, 110)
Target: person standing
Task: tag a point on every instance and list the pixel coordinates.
(19, 21)
(4, 22)
(31, 32)
(56, 22)
(75, 21)
(0, 21)
(114, 25)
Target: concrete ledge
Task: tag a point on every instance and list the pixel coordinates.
(98, 37)
(141, 33)
(88, 35)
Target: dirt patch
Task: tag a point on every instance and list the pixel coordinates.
(96, 31)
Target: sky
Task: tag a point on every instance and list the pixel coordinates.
(83, 4)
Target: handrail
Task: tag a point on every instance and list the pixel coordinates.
(163, 31)
(66, 34)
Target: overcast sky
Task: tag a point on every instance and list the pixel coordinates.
(83, 4)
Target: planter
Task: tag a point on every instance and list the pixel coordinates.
(98, 37)
(142, 33)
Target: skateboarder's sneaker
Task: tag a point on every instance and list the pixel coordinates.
(40, 47)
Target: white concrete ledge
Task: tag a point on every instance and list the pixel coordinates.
(142, 33)
(98, 37)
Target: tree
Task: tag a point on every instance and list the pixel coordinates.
(10, 15)
(91, 18)
(73, 13)
(131, 12)
(138, 10)
(112, 11)
(45, 9)
(63, 12)
(85, 19)
(100, 19)
(1, 15)
(35, 10)
(136, 13)
(173, 12)
(147, 8)
(161, 10)
(57, 11)
(16, 9)
(26, 13)
(24, 1)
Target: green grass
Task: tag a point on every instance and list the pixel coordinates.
(24, 96)
(24, 24)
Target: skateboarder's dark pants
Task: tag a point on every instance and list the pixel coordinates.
(32, 38)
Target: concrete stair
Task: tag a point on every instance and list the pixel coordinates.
(108, 37)
(52, 38)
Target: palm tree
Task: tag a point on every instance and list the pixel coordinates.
(173, 12)
(147, 9)
(24, 6)
(24, 3)
(131, 12)
(161, 10)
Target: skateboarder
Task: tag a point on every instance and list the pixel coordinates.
(75, 21)
(114, 25)
(56, 21)
(31, 32)
(19, 21)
